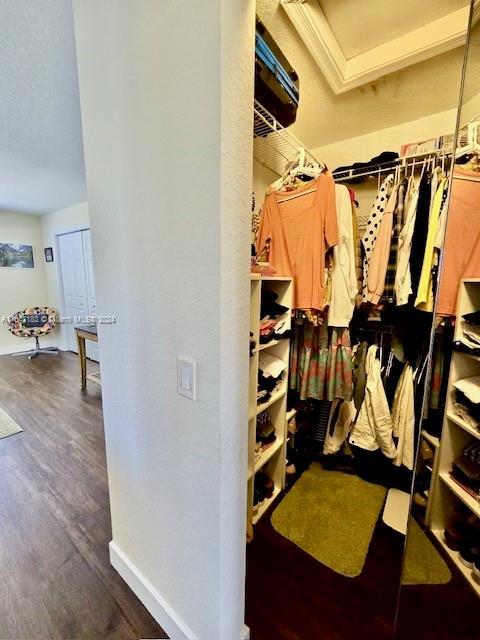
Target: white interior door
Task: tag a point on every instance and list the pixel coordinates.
(78, 285)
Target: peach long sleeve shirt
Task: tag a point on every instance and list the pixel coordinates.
(301, 226)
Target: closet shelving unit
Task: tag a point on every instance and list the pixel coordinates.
(445, 493)
(274, 146)
(273, 459)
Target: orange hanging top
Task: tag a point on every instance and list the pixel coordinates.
(301, 229)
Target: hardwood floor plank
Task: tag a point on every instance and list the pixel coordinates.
(56, 580)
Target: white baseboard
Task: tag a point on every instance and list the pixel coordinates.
(163, 613)
(245, 634)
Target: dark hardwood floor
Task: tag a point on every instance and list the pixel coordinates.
(56, 581)
(291, 596)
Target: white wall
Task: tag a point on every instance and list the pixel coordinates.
(21, 288)
(63, 221)
(165, 93)
(362, 148)
(365, 147)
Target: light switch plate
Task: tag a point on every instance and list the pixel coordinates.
(187, 377)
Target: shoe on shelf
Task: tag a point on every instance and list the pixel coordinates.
(290, 469)
(426, 452)
(476, 568)
(258, 498)
(468, 554)
(264, 484)
(420, 500)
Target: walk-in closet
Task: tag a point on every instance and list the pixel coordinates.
(363, 478)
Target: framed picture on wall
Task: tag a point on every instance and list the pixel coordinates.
(48, 254)
(16, 256)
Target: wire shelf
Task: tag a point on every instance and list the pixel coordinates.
(273, 145)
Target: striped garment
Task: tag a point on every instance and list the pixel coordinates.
(389, 289)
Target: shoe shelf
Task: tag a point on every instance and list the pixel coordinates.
(445, 494)
(273, 459)
(267, 455)
(454, 557)
(471, 356)
(463, 425)
(278, 395)
(265, 505)
(435, 442)
(267, 345)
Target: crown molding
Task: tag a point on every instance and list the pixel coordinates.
(429, 40)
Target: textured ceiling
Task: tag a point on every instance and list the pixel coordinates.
(361, 25)
(41, 149)
(417, 91)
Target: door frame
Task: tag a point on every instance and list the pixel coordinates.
(75, 229)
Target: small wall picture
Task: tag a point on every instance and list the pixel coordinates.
(48, 254)
(17, 256)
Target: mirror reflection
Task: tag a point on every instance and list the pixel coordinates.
(446, 498)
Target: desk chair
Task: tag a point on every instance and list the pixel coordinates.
(34, 322)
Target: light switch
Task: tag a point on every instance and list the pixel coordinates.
(186, 377)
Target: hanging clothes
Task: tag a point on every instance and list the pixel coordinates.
(373, 427)
(359, 373)
(461, 258)
(420, 232)
(371, 232)
(343, 275)
(320, 362)
(339, 429)
(379, 256)
(323, 415)
(403, 279)
(397, 224)
(357, 247)
(301, 226)
(425, 298)
(403, 419)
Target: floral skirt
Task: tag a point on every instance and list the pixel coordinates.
(321, 362)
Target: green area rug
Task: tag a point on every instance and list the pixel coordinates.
(8, 426)
(423, 563)
(331, 516)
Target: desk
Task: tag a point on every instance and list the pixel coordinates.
(82, 333)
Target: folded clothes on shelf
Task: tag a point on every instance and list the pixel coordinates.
(274, 330)
(462, 412)
(269, 307)
(467, 394)
(270, 366)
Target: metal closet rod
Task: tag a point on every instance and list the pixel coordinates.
(385, 167)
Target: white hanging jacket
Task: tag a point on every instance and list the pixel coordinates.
(403, 418)
(403, 277)
(373, 427)
(344, 275)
